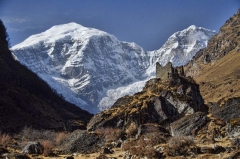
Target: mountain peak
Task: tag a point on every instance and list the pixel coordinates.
(182, 45)
(59, 33)
(66, 27)
(192, 27)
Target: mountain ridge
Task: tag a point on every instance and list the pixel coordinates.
(26, 100)
(86, 65)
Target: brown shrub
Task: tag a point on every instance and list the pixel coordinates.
(5, 139)
(151, 153)
(50, 138)
(137, 150)
(111, 134)
(48, 147)
(31, 134)
(128, 145)
(144, 151)
(179, 145)
(60, 138)
(143, 147)
(132, 129)
(151, 139)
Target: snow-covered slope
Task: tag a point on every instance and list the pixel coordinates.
(82, 63)
(92, 69)
(183, 45)
(179, 49)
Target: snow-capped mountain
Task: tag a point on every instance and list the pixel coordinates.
(179, 49)
(183, 45)
(92, 69)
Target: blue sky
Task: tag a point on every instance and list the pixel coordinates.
(148, 23)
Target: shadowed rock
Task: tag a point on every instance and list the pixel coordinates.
(189, 124)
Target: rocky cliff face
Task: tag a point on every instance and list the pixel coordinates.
(225, 41)
(160, 102)
(92, 69)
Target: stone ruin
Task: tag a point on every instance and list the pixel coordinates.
(168, 72)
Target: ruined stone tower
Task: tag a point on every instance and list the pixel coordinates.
(163, 72)
(168, 72)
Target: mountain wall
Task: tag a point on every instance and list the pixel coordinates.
(92, 69)
(26, 100)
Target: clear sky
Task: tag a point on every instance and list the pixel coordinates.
(148, 23)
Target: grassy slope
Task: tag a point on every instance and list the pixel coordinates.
(221, 79)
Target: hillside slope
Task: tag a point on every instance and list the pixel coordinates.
(26, 100)
(217, 70)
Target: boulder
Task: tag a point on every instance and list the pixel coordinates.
(69, 157)
(189, 124)
(226, 110)
(33, 148)
(81, 141)
(218, 149)
(107, 150)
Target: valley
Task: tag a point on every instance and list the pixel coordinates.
(186, 102)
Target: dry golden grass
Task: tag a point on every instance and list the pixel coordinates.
(222, 79)
(118, 153)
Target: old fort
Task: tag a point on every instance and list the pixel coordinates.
(168, 72)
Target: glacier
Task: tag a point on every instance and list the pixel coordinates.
(92, 68)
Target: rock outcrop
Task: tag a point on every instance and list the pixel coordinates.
(189, 124)
(160, 102)
(33, 148)
(226, 109)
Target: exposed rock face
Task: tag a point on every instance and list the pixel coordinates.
(160, 102)
(33, 148)
(189, 124)
(226, 110)
(223, 42)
